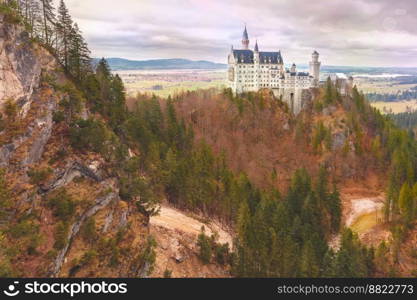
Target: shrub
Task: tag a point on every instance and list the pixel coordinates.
(88, 257)
(204, 243)
(61, 235)
(5, 197)
(222, 253)
(38, 176)
(148, 256)
(2, 123)
(10, 12)
(23, 228)
(167, 273)
(10, 109)
(62, 205)
(59, 155)
(115, 257)
(6, 269)
(89, 135)
(58, 116)
(89, 230)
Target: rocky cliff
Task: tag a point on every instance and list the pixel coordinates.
(21, 64)
(63, 215)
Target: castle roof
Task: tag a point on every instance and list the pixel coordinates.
(270, 57)
(246, 57)
(243, 56)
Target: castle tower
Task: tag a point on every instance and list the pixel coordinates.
(245, 39)
(256, 59)
(315, 67)
(293, 68)
(256, 65)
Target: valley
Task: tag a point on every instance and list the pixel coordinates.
(170, 82)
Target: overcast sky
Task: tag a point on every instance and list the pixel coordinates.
(344, 32)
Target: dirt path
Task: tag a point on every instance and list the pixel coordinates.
(173, 219)
(176, 235)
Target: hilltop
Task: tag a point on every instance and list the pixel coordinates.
(250, 156)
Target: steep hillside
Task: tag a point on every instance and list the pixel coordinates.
(61, 210)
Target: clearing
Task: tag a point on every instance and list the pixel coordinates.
(363, 213)
(176, 235)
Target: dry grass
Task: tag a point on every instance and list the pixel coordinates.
(366, 222)
(395, 107)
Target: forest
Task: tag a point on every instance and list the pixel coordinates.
(410, 94)
(279, 233)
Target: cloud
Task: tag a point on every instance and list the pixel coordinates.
(365, 32)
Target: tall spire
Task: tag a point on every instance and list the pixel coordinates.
(256, 46)
(245, 39)
(245, 34)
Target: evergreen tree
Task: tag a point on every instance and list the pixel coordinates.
(406, 203)
(79, 61)
(48, 19)
(64, 30)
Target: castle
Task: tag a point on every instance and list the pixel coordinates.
(254, 70)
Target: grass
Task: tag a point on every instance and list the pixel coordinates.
(366, 221)
(381, 86)
(170, 88)
(396, 107)
(172, 82)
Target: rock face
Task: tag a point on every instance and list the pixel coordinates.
(37, 132)
(20, 65)
(99, 204)
(37, 143)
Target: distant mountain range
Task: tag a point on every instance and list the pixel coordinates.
(119, 64)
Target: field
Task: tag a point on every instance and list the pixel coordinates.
(169, 82)
(395, 107)
(390, 93)
(381, 86)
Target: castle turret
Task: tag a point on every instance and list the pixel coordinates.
(256, 65)
(245, 39)
(256, 58)
(315, 67)
(293, 68)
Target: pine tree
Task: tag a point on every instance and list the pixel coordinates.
(48, 19)
(64, 28)
(79, 55)
(204, 244)
(406, 201)
(310, 266)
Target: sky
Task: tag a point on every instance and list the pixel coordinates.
(348, 33)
